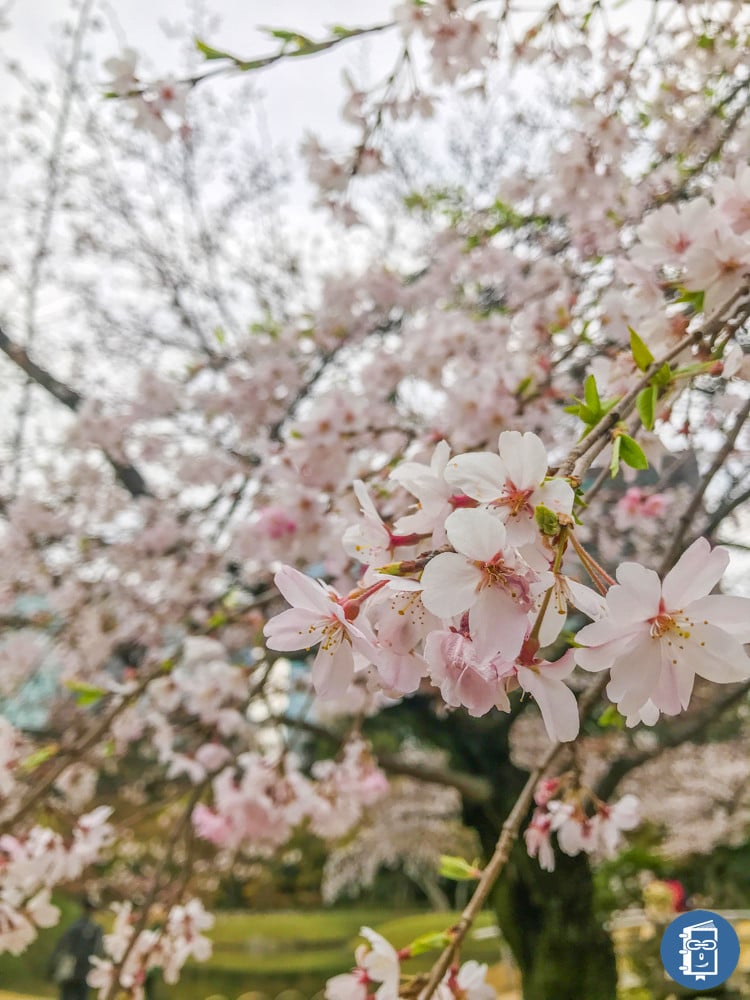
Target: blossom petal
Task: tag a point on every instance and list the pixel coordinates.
(449, 584)
(635, 675)
(715, 655)
(637, 598)
(556, 494)
(302, 591)
(498, 625)
(480, 475)
(695, 574)
(333, 668)
(731, 614)
(476, 534)
(295, 628)
(525, 458)
(556, 702)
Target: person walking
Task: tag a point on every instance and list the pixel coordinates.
(71, 959)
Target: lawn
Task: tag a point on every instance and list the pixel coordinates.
(268, 952)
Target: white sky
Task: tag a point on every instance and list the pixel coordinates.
(299, 94)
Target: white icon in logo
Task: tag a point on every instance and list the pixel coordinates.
(700, 950)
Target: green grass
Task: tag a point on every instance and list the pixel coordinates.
(288, 927)
(269, 952)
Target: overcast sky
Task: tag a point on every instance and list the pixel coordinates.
(299, 95)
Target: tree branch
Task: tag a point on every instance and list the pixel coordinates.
(127, 474)
(669, 738)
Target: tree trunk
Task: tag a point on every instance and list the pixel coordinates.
(548, 920)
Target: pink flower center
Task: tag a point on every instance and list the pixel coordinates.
(516, 500)
(496, 573)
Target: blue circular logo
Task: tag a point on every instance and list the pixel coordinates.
(700, 949)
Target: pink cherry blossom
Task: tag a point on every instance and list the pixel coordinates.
(463, 677)
(657, 637)
(317, 615)
(557, 703)
(378, 963)
(512, 482)
(485, 577)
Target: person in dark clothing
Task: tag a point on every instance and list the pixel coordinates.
(71, 959)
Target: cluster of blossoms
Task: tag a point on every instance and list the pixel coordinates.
(473, 610)
(158, 107)
(32, 865)
(379, 965)
(178, 938)
(563, 810)
(258, 810)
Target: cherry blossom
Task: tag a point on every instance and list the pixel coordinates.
(469, 983)
(378, 963)
(318, 616)
(433, 493)
(513, 483)
(485, 577)
(657, 637)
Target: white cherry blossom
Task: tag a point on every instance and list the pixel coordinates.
(657, 637)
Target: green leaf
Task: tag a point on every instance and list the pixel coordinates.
(209, 52)
(457, 869)
(591, 394)
(611, 719)
(694, 299)
(646, 405)
(631, 453)
(662, 376)
(429, 942)
(614, 462)
(33, 761)
(641, 354)
(294, 37)
(86, 694)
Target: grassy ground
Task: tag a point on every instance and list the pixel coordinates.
(266, 952)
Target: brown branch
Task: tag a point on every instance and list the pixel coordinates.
(734, 311)
(508, 837)
(669, 738)
(68, 756)
(472, 788)
(127, 474)
(692, 508)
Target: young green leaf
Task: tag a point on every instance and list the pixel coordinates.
(85, 694)
(591, 394)
(641, 354)
(646, 406)
(631, 453)
(429, 942)
(614, 462)
(38, 757)
(611, 719)
(209, 52)
(457, 869)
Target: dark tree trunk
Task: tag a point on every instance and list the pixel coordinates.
(548, 919)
